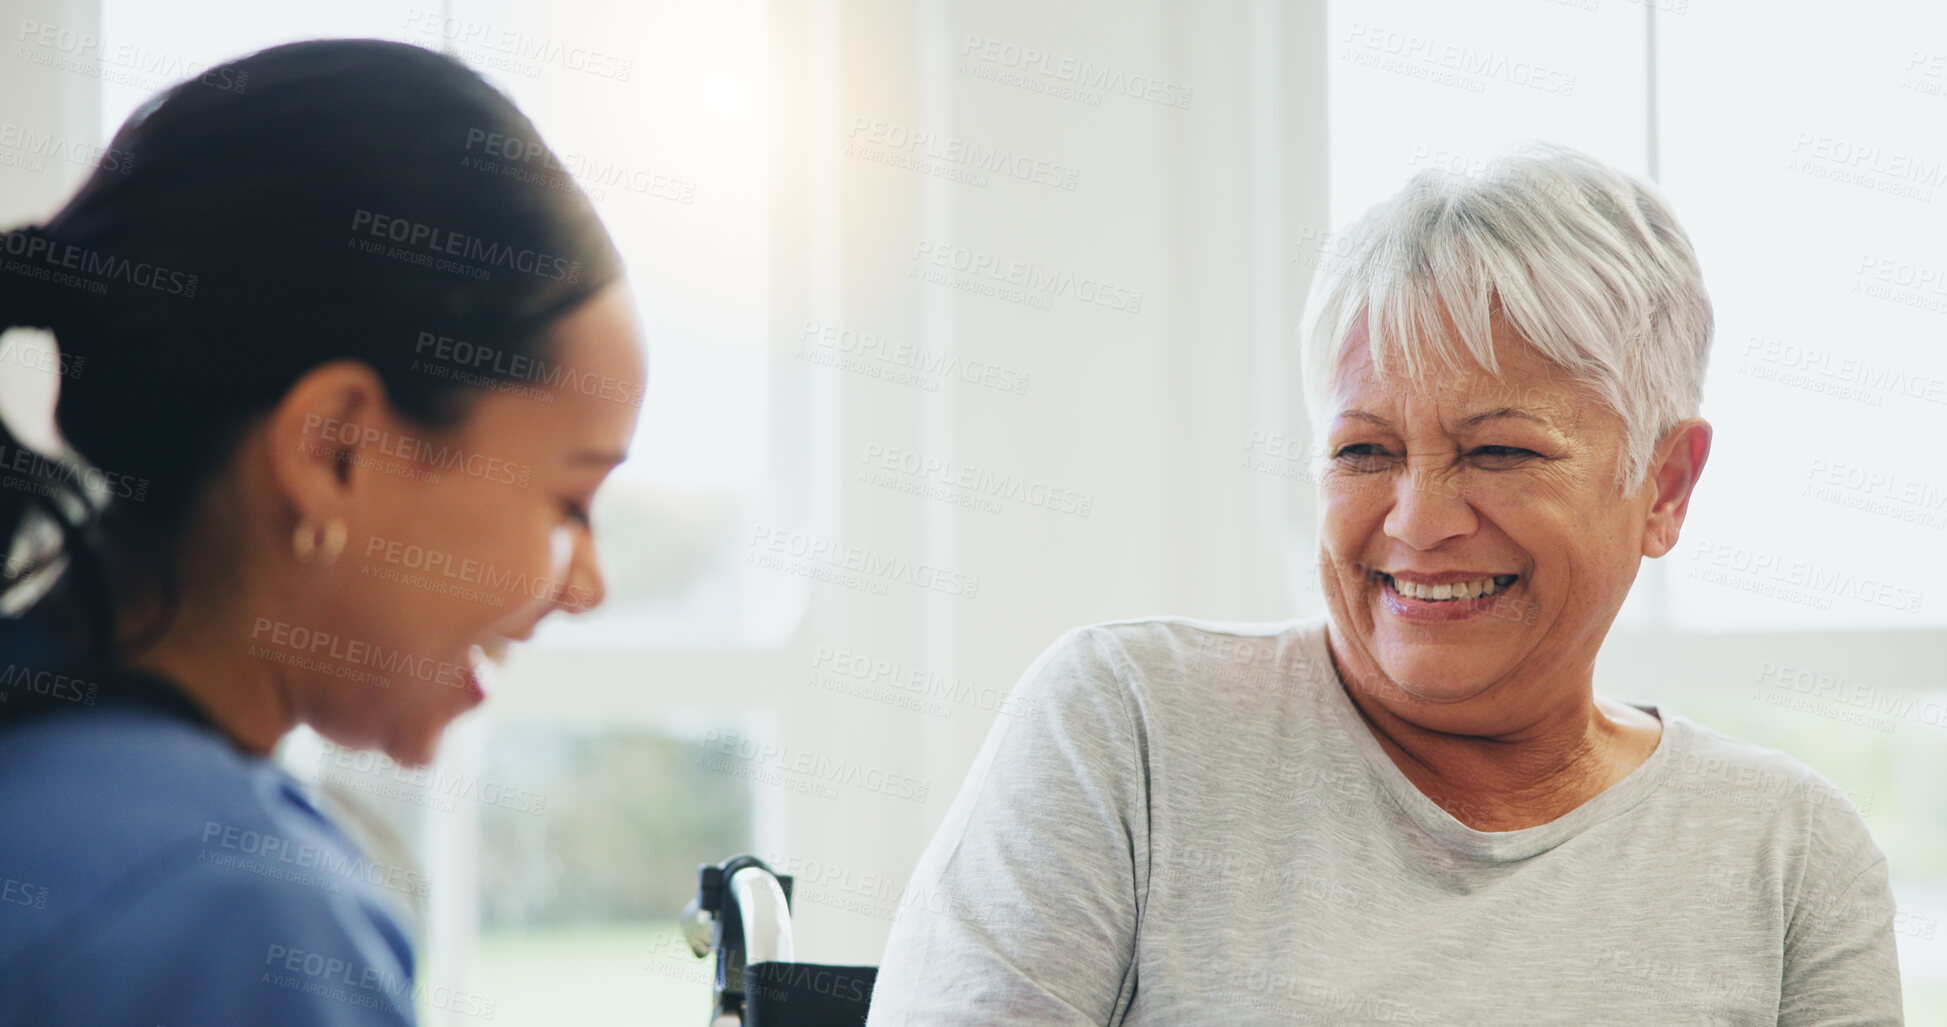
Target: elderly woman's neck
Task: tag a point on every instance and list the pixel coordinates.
(1528, 776)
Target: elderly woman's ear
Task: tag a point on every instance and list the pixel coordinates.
(1679, 463)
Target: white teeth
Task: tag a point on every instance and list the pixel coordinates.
(482, 666)
(1444, 593)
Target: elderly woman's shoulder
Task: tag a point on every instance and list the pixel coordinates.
(1149, 644)
(1165, 661)
(1717, 775)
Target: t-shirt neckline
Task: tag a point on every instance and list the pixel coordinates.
(1489, 846)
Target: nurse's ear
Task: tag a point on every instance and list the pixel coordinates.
(320, 438)
(1680, 457)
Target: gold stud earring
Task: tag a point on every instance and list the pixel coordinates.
(305, 541)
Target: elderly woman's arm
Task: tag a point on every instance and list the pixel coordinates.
(1024, 908)
(1841, 966)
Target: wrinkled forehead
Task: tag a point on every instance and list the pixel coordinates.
(1522, 381)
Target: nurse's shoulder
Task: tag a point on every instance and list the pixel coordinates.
(141, 850)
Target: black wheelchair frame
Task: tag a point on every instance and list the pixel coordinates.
(742, 914)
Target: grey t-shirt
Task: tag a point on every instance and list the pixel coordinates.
(1194, 826)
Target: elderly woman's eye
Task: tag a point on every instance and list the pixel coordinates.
(1360, 455)
(1502, 456)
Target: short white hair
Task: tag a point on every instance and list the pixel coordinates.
(1586, 264)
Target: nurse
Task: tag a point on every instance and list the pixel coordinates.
(262, 309)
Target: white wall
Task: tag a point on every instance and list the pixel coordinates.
(1147, 413)
(43, 101)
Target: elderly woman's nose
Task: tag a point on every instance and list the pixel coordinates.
(1428, 509)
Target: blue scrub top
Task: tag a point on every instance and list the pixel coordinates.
(151, 873)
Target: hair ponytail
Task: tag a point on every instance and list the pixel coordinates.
(25, 289)
(51, 553)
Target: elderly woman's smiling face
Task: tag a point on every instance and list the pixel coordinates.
(1472, 530)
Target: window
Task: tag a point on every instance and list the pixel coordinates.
(1818, 212)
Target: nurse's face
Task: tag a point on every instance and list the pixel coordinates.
(462, 541)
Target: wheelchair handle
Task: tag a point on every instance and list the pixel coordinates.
(742, 912)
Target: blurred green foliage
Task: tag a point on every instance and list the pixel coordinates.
(628, 816)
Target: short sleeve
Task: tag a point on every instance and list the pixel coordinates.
(1841, 964)
(210, 945)
(1024, 908)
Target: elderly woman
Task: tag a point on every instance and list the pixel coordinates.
(1418, 810)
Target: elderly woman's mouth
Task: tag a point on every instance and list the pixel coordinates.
(1471, 587)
